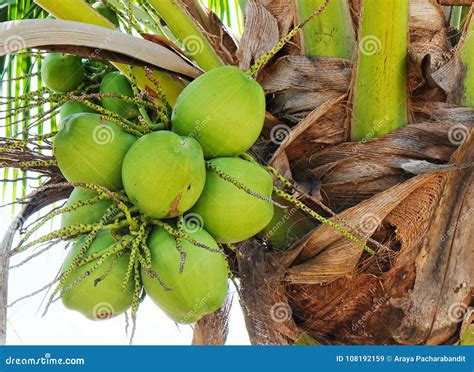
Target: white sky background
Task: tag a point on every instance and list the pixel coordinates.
(61, 326)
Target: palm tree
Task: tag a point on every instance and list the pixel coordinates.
(369, 118)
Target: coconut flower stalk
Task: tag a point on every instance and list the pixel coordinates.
(380, 95)
(329, 35)
(80, 11)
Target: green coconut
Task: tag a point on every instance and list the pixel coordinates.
(224, 109)
(230, 214)
(62, 73)
(104, 299)
(202, 286)
(117, 83)
(87, 214)
(91, 150)
(287, 225)
(164, 174)
(108, 13)
(70, 108)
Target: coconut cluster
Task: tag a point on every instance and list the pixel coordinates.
(189, 176)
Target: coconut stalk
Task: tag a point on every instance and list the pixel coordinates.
(194, 43)
(81, 11)
(380, 81)
(331, 34)
(467, 60)
(243, 5)
(456, 15)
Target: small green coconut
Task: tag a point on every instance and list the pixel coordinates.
(70, 108)
(62, 73)
(108, 13)
(164, 174)
(224, 109)
(202, 286)
(230, 214)
(87, 214)
(287, 225)
(103, 299)
(117, 83)
(91, 150)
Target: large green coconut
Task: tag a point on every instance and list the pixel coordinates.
(229, 213)
(62, 73)
(202, 286)
(117, 83)
(91, 150)
(164, 174)
(70, 108)
(87, 214)
(104, 299)
(108, 13)
(224, 109)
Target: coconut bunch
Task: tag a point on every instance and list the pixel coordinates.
(158, 206)
(160, 195)
(154, 207)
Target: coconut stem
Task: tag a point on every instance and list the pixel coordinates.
(68, 232)
(38, 163)
(150, 272)
(73, 207)
(467, 59)
(139, 236)
(270, 54)
(194, 42)
(323, 220)
(179, 234)
(115, 198)
(329, 35)
(179, 243)
(380, 82)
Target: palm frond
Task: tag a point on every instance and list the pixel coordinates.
(15, 122)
